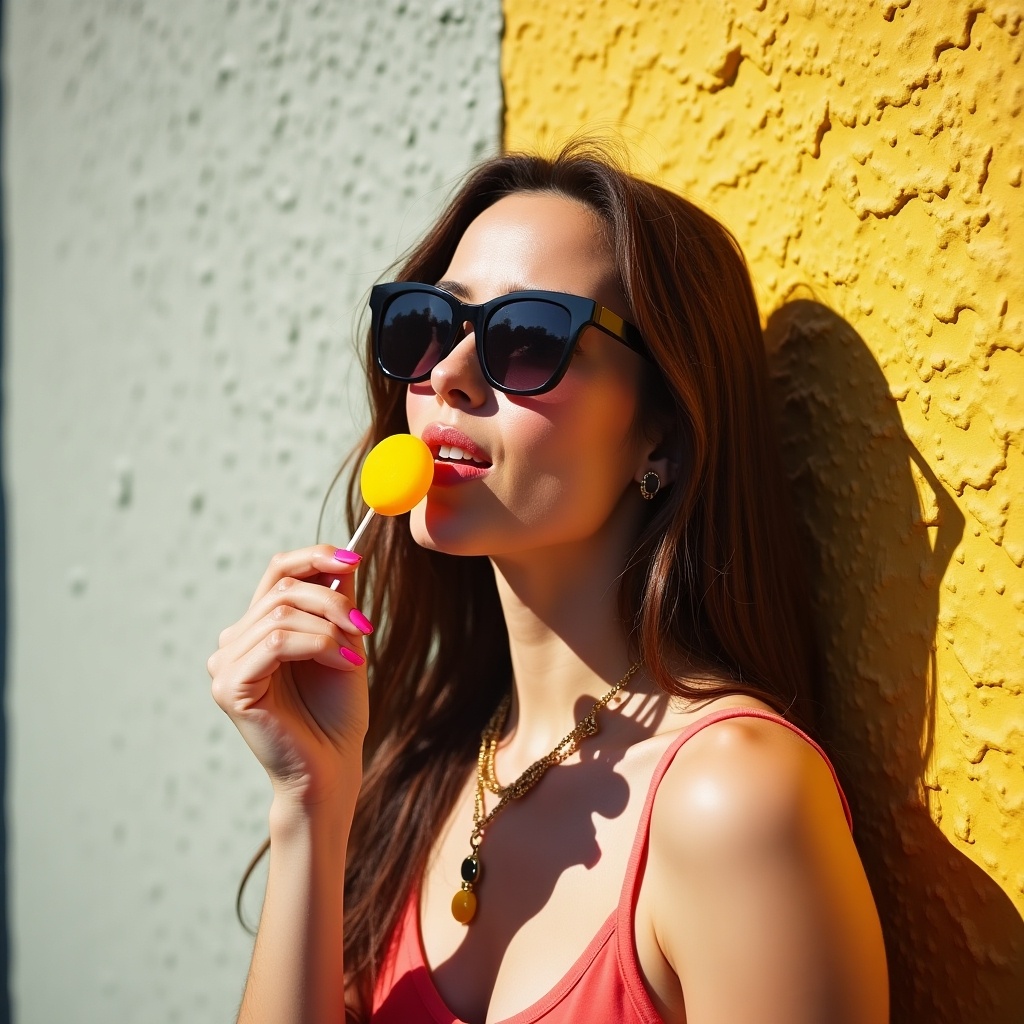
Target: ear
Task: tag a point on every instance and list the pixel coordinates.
(661, 459)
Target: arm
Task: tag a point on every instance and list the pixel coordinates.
(763, 911)
(290, 674)
(296, 973)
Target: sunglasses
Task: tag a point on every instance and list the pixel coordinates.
(524, 340)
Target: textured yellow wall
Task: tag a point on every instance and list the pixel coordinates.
(869, 158)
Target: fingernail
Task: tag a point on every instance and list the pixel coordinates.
(348, 557)
(350, 656)
(360, 621)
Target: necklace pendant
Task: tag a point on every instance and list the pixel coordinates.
(464, 901)
(471, 869)
(464, 904)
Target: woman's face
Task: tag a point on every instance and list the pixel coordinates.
(556, 465)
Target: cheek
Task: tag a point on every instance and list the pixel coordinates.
(577, 409)
(578, 432)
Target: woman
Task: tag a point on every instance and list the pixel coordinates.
(606, 542)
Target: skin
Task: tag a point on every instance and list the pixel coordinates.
(753, 905)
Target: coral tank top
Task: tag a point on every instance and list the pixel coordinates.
(606, 975)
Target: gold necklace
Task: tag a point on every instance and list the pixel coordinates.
(464, 902)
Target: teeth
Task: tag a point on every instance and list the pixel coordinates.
(449, 451)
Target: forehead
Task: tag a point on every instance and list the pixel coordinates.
(534, 240)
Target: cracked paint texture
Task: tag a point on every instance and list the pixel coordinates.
(198, 197)
(869, 158)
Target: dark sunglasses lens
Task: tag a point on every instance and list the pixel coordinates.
(524, 343)
(413, 333)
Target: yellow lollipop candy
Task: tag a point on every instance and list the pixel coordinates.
(395, 476)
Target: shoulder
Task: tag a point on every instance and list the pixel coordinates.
(756, 875)
(741, 783)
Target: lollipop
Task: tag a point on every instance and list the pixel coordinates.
(396, 476)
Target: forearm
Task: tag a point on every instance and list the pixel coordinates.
(297, 970)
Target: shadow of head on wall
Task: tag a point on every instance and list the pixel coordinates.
(879, 531)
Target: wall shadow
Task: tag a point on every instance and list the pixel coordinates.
(877, 554)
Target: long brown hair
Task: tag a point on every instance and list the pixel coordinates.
(712, 597)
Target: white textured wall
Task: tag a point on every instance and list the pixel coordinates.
(198, 196)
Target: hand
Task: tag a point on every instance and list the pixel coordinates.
(281, 673)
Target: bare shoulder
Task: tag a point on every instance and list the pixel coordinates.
(757, 877)
(741, 783)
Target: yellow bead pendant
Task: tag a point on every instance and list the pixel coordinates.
(464, 906)
(464, 901)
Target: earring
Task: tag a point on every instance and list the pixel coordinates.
(650, 484)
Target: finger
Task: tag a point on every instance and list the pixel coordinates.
(291, 620)
(343, 584)
(333, 605)
(306, 562)
(349, 630)
(246, 681)
(281, 645)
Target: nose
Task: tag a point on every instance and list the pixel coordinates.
(458, 378)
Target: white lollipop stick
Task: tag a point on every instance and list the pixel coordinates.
(356, 537)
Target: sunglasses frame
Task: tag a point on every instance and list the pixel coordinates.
(582, 313)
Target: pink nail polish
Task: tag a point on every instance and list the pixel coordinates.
(350, 656)
(348, 557)
(360, 621)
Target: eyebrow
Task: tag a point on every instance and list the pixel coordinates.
(459, 290)
(455, 287)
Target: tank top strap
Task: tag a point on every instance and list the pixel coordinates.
(638, 855)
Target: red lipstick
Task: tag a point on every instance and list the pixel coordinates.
(468, 461)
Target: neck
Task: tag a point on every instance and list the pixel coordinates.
(567, 641)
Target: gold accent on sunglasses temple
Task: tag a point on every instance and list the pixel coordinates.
(610, 321)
